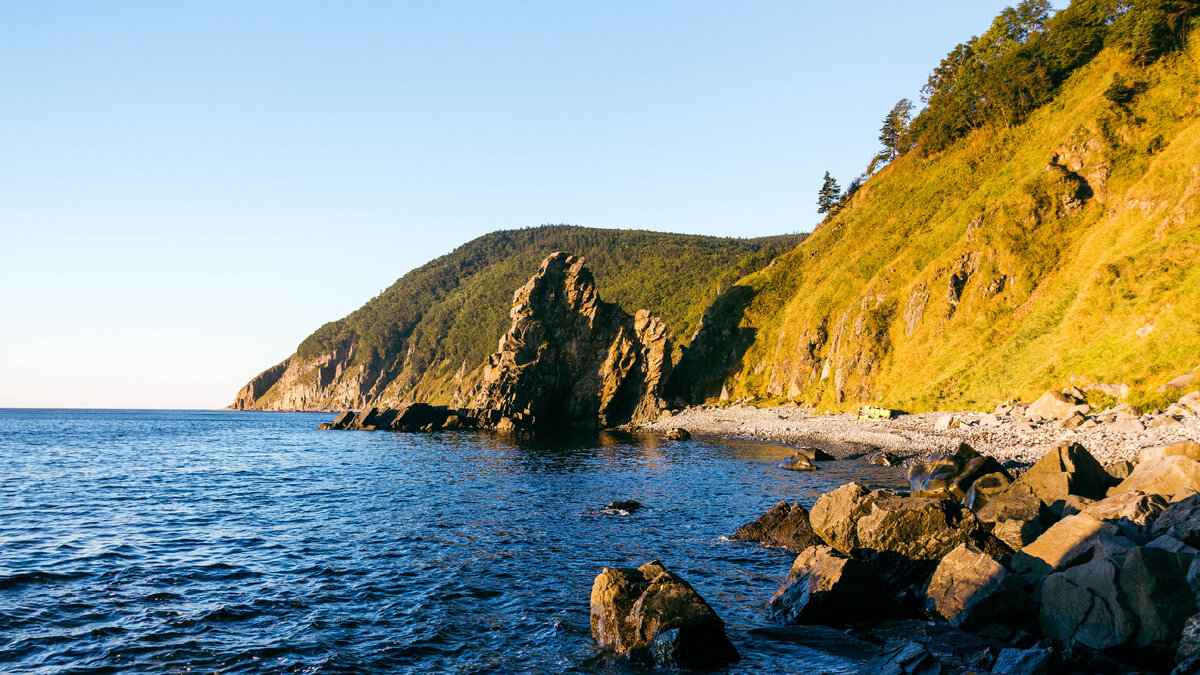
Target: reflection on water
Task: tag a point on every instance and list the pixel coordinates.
(250, 542)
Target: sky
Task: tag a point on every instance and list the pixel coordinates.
(190, 188)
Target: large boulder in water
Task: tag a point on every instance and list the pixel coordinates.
(826, 587)
(571, 359)
(652, 613)
(785, 525)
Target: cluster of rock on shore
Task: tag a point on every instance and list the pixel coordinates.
(1067, 566)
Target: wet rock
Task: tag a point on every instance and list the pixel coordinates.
(984, 488)
(835, 515)
(950, 475)
(971, 590)
(570, 359)
(1053, 406)
(827, 587)
(625, 506)
(678, 434)
(651, 611)
(1167, 476)
(797, 462)
(814, 454)
(1024, 662)
(903, 659)
(887, 459)
(785, 525)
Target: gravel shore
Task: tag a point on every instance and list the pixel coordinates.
(1008, 438)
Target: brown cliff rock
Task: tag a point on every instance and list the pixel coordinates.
(573, 360)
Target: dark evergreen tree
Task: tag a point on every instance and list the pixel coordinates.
(894, 133)
(829, 195)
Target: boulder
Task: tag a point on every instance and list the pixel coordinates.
(985, 488)
(1075, 421)
(1053, 406)
(950, 475)
(1070, 541)
(1132, 512)
(1154, 586)
(785, 525)
(1119, 470)
(651, 612)
(946, 422)
(570, 359)
(1191, 400)
(915, 527)
(827, 587)
(971, 590)
(1189, 449)
(887, 459)
(1067, 469)
(835, 515)
(1082, 606)
(1168, 476)
(903, 659)
(797, 462)
(677, 434)
(1180, 520)
(1189, 642)
(1135, 598)
(1127, 425)
(1013, 661)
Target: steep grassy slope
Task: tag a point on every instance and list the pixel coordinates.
(426, 336)
(1018, 259)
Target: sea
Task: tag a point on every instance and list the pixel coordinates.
(250, 542)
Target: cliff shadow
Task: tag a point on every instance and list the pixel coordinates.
(716, 350)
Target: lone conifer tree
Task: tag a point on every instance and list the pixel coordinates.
(829, 195)
(894, 134)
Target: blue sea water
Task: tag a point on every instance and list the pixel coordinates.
(224, 542)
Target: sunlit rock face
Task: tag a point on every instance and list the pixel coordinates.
(573, 360)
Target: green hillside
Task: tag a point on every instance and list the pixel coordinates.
(423, 337)
(1004, 255)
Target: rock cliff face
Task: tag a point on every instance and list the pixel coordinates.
(571, 359)
(428, 336)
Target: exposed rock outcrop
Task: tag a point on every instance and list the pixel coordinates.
(651, 613)
(785, 525)
(827, 587)
(573, 360)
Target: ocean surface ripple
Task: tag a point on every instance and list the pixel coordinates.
(182, 541)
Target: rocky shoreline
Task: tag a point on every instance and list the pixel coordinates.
(1007, 434)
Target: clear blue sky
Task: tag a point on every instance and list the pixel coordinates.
(190, 188)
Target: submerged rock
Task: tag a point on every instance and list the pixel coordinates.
(785, 525)
(625, 506)
(651, 613)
